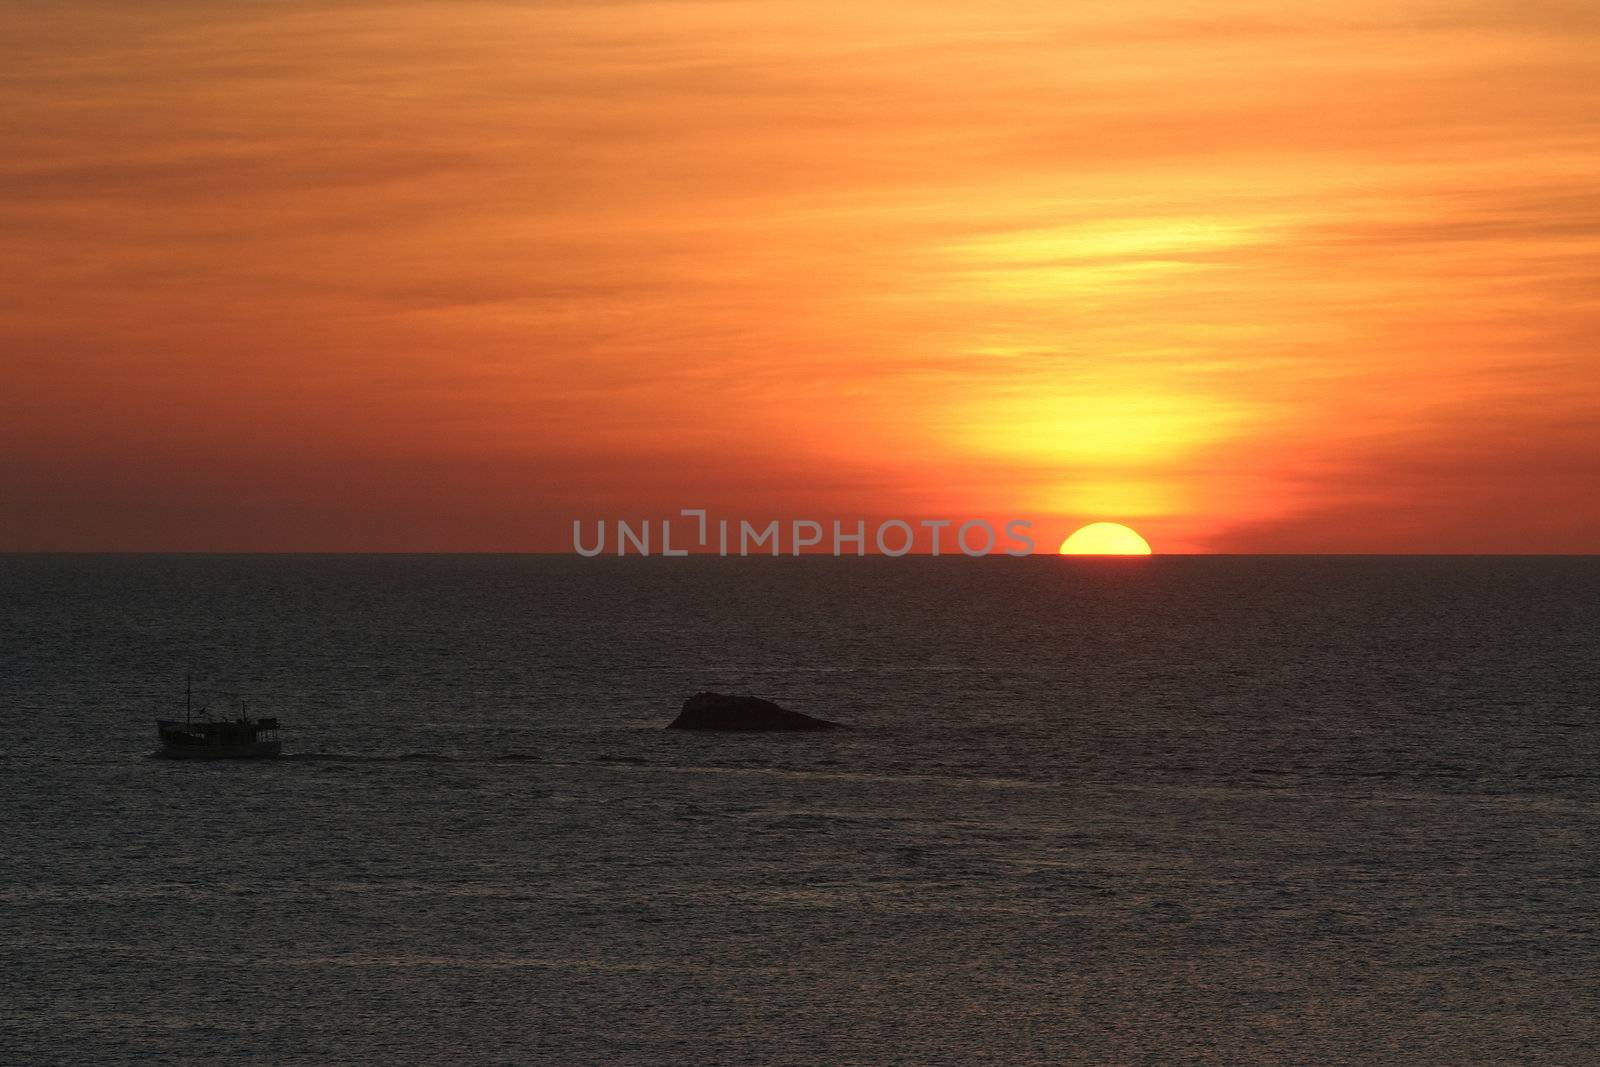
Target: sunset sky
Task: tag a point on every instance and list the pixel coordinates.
(1249, 276)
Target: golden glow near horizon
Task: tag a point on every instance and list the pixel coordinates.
(448, 276)
(1105, 539)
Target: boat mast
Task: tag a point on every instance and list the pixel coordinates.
(188, 698)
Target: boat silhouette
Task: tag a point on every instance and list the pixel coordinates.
(208, 738)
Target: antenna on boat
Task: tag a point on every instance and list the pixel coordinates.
(188, 698)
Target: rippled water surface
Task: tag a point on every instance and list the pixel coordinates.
(1122, 811)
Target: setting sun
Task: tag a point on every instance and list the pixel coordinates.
(1105, 539)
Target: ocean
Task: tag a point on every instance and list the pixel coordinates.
(1310, 810)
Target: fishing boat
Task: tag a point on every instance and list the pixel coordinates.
(208, 738)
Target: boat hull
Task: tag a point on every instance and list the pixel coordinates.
(253, 750)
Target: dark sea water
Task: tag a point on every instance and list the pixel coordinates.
(1175, 810)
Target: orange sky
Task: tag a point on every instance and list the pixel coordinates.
(1246, 275)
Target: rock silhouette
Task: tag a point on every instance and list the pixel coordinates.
(719, 711)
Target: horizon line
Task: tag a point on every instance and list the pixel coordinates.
(788, 555)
